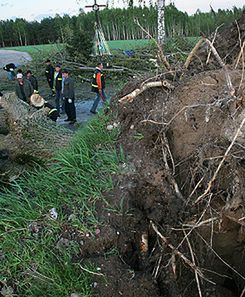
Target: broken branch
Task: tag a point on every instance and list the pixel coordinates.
(192, 53)
(130, 97)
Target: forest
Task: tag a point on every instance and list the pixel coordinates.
(117, 23)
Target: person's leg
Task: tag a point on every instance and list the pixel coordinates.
(96, 102)
(73, 110)
(57, 101)
(67, 110)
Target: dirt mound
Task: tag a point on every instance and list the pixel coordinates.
(228, 42)
(180, 202)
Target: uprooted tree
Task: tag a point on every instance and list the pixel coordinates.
(28, 132)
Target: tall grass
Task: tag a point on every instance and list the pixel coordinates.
(31, 262)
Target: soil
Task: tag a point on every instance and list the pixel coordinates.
(174, 142)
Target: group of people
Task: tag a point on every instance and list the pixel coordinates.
(61, 86)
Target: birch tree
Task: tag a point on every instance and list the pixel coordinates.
(161, 21)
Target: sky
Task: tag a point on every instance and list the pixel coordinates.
(38, 9)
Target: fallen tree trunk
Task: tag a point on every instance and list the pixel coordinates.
(31, 133)
(3, 123)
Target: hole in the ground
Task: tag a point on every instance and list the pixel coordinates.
(231, 285)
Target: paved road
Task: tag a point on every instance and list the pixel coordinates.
(10, 56)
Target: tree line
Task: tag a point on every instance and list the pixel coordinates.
(117, 24)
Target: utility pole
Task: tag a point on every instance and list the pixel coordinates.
(100, 40)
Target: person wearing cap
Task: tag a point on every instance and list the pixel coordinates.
(68, 93)
(58, 86)
(38, 102)
(49, 73)
(32, 79)
(23, 88)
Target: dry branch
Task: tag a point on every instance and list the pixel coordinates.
(193, 261)
(210, 51)
(222, 64)
(192, 53)
(130, 97)
(241, 54)
(178, 253)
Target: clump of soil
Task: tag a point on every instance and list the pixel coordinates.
(174, 223)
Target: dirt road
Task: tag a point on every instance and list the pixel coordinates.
(10, 56)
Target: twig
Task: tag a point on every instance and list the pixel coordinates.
(168, 171)
(193, 261)
(221, 163)
(201, 223)
(222, 64)
(192, 53)
(91, 272)
(215, 34)
(179, 254)
(240, 54)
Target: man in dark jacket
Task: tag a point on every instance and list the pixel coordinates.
(32, 79)
(58, 86)
(69, 97)
(98, 86)
(23, 88)
(49, 73)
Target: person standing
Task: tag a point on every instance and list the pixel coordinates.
(58, 86)
(32, 79)
(23, 88)
(68, 93)
(98, 86)
(49, 73)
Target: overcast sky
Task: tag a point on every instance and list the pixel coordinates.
(38, 9)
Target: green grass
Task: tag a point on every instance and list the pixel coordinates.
(46, 50)
(128, 44)
(30, 262)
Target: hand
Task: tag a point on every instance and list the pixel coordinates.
(100, 91)
(69, 101)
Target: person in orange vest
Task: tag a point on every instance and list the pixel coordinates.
(98, 86)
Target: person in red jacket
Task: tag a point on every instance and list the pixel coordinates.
(98, 86)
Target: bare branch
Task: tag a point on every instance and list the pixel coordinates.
(222, 64)
(193, 52)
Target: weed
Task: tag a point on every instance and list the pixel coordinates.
(31, 263)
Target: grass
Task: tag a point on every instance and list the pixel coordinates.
(45, 50)
(31, 263)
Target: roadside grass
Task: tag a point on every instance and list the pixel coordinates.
(32, 263)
